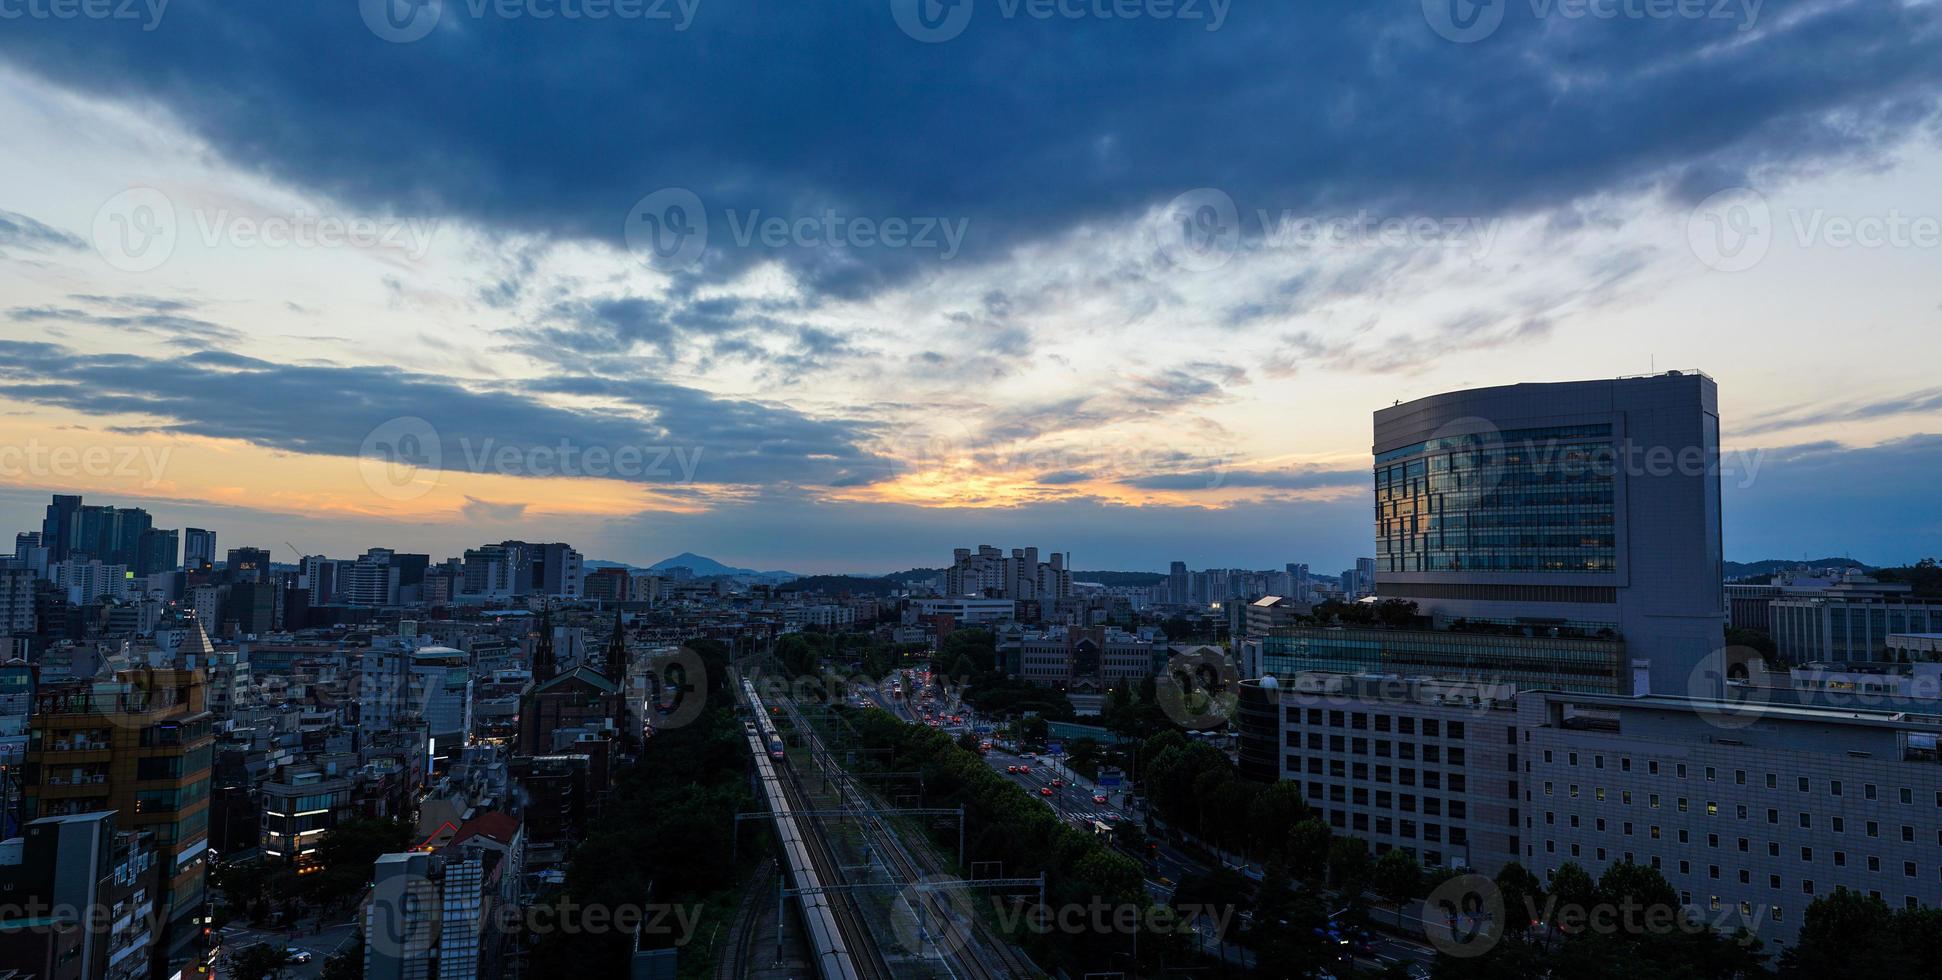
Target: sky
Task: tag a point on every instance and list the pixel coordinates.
(838, 287)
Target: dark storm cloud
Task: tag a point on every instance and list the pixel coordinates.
(1022, 127)
(331, 410)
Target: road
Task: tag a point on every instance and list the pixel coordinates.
(1077, 800)
(319, 945)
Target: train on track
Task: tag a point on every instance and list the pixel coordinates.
(829, 946)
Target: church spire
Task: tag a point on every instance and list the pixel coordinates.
(617, 653)
(545, 666)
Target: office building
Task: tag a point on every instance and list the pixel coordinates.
(246, 565)
(1750, 808)
(966, 612)
(1410, 763)
(198, 548)
(298, 808)
(1593, 506)
(58, 526)
(1085, 660)
(156, 551)
(1839, 628)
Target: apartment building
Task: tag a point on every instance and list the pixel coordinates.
(141, 746)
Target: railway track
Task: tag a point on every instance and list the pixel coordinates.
(734, 963)
(983, 955)
(864, 952)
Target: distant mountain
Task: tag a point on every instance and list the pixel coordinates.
(704, 567)
(1735, 569)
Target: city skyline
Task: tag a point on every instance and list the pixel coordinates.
(975, 316)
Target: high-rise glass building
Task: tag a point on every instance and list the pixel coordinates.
(198, 547)
(1587, 508)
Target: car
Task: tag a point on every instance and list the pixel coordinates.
(1045, 791)
(1012, 769)
(1099, 798)
(1025, 769)
(296, 954)
(1058, 783)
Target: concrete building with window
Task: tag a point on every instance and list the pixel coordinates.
(1829, 627)
(1751, 808)
(1422, 765)
(98, 885)
(299, 807)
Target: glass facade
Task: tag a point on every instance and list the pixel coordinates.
(1527, 500)
(1581, 665)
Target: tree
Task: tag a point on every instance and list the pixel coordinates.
(1348, 865)
(1308, 847)
(348, 851)
(1275, 809)
(1397, 877)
